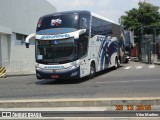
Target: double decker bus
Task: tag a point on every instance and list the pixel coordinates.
(76, 44)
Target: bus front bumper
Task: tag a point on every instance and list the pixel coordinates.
(70, 74)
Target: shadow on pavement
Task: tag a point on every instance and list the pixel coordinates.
(71, 81)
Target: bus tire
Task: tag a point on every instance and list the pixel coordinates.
(92, 71)
(117, 63)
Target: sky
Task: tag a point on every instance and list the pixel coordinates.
(111, 9)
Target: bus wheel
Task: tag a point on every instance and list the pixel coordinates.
(117, 63)
(92, 71)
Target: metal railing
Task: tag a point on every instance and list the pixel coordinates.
(12, 66)
(150, 52)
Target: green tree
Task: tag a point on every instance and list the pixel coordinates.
(145, 15)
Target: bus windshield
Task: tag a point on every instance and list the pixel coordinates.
(55, 51)
(68, 20)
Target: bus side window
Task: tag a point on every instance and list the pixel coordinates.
(99, 27)
(82, 46)
(109, 33)
(84, 21)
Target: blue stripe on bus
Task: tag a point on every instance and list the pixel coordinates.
(56, 31)
(104, 52)
(101, 55)
(100, 50)
(109, 50)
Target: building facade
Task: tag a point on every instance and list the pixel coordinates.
(18, 18)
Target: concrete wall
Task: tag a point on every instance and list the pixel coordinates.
(22, 15)
(4, 41)
(22, 59)
(15, 57)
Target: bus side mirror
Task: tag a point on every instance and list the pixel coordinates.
(28, 38)
(79, 32)
(27, 45)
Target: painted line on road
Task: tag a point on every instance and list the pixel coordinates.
(151, 80)
(77, 99)
(139, 67)
(99, 108)
(151, 66)
(126, 68)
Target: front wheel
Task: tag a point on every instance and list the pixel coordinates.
(92, 71)
(117, 63)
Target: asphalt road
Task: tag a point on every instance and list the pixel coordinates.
(130, 80)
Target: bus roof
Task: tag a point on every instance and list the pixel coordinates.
(81, 12)
(66, 12)
(103, 18)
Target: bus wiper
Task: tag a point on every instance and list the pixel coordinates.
(64, 60)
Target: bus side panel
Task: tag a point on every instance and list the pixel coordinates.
(86, 61)
(94, 46)
(84, 67)
(102, 51)
(108, 53)
(112, 51)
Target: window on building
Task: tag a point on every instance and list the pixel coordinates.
(20, 39)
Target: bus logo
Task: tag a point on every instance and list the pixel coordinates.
(56, 22)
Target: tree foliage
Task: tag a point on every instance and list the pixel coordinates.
(145, 15)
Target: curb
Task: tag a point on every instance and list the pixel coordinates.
(157, 63)
(88, 102)
(14, 75)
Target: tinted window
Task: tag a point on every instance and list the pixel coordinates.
(82, 44)
(56, 51)
(100, 27)
(58, 21)
(84, 21)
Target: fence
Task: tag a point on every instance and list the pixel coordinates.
(149, 44)
(150, 52)
(13, 66)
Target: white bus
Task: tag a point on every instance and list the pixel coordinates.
(76, 44)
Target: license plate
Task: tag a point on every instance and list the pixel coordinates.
(54, 76)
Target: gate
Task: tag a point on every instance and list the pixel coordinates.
(146, 52)
(150, 44)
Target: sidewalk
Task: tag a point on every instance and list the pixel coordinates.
(11, 74)
(136, 59)
(109, 103)
(157, 63)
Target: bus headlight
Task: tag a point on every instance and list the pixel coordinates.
(75, 64)
(39, 69)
